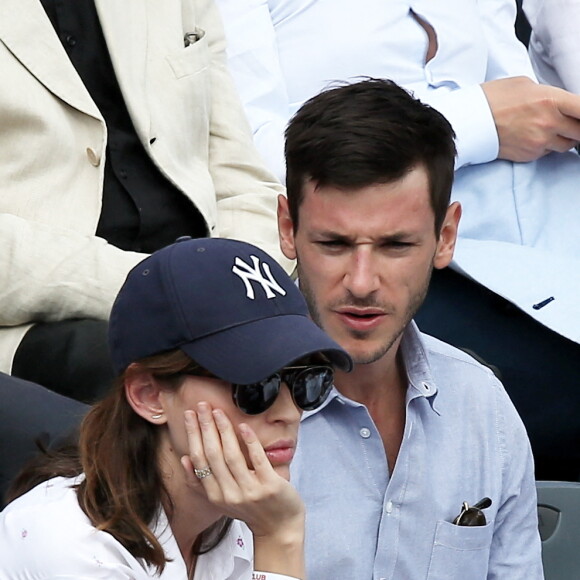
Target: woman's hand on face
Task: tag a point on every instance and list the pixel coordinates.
(259, 496)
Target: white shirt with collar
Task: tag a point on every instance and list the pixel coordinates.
(44, 535)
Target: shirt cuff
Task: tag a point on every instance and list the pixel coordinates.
(257, 575)
(468, 112)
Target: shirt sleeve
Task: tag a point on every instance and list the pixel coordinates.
(257, 575)
(466, 108)
(253, 60)
(553, 42)
(246, 192)
(516, 548)
(49, 274)
(468, 112)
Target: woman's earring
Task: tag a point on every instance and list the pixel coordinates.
(157, 416)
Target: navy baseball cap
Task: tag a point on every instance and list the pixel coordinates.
(225, 303)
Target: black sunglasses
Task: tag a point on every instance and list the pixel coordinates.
(473, 515)
(309, 385)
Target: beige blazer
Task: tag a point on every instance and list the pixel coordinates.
(52, 147)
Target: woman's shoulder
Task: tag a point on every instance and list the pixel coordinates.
(45, 534)
(54, 495)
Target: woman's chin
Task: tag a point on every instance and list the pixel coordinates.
(283, 471)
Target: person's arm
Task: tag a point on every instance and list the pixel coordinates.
(553, 42)
(466, 106)
(531, 119)
(246, 191)
(51, 274)
(516, 549)
(255, 67)
(254, 494)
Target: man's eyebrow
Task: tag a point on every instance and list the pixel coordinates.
(331, 235)
(398, 236)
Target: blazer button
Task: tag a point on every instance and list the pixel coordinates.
(94, 158)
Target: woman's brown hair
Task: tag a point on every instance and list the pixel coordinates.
(122, 489)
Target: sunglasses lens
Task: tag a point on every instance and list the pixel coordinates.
(311, 386)
(472, 517)
(256, 398)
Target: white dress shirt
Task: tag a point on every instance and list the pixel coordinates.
(519, 233)
(553, 45)
(44, 535)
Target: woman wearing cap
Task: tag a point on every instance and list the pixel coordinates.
(216, 357)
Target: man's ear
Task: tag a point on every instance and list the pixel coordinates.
(447, 236)
(286, 229)
(143, 394)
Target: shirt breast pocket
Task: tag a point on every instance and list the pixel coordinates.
(460, 552)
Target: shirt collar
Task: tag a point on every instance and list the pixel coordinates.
(419, 376)
(232, 557)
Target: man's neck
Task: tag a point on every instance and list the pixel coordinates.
(381, 386)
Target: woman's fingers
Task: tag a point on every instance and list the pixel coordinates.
(258, 458)
(196, 458)
(233, 455)
(255, 494)
(212, 446)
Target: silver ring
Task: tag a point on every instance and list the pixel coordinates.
(201, 473)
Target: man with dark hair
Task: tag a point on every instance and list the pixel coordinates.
(511, 292)
(418, 465)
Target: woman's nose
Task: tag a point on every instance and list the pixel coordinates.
(284, 408)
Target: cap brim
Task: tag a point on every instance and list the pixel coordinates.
(251, 352)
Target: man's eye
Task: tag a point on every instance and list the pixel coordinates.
(332, 243)
(395, 245)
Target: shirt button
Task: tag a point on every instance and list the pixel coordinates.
(94, 158)
(389, 507)
(365, 433)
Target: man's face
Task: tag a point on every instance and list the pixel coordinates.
(365, 258)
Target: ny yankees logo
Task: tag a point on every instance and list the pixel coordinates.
(247, 273)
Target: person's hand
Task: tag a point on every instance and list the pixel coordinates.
(256, 495)
(531, 119)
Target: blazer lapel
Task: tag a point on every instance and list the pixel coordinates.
(27, 32)
(124, 24)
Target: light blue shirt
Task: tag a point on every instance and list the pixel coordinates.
(519, 234)
(463, 441)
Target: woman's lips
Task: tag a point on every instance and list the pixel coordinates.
(280, 452)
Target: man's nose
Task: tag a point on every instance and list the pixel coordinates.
(362, 277)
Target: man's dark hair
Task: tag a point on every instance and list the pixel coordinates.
(364, 133)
